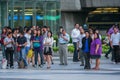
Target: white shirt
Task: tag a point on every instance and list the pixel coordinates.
(28, 36)
(6, 40)
(48, 40)
(80, 37)
(115, 38)
(74, 34)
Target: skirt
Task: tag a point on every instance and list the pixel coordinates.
(47, 51)
(95, 56)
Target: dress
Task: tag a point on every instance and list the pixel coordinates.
(93, 48)
(48, 47)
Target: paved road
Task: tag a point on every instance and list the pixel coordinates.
(73, 71)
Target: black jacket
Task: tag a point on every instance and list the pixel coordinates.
(89, 42)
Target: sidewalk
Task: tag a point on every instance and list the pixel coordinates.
(106, 64)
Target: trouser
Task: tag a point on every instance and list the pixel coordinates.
(15, 53)
(63, 53)
(27, 49)
(87, 60)
(81, 54)
(3, 51)
(116, 53)
(22, 55)
(110, 51)
(9, 56)
(41, 56)
(75, 55)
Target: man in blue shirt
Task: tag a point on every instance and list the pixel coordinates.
(86, 41)
(63, 40)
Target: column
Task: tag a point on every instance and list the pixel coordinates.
(34, 14)
(4, 13)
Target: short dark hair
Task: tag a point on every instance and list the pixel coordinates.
(28, 29)
(45, 27)
(21, 32)
(9, 33)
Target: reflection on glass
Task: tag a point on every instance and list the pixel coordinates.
(38, 12)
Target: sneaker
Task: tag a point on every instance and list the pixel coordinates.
(61, 64)
(7, 67)
(41, 66)
(106, 57)
(81, 64)
(12, 67)
(52, 63)
(34, 66)
(25, 67)
(66, 64)
(48, 67)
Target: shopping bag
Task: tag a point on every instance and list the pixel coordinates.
(4, 63)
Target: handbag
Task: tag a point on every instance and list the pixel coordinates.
(36, 44)
(18, 49)
(4, 63)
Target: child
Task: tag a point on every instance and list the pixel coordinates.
(30, 56)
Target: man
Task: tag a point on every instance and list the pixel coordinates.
(81, 36)
(115, 42)
(63, 40)
(86, 41)
(21, 43)
(74, 34)
(28, 37)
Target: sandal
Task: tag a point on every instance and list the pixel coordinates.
(48, 67)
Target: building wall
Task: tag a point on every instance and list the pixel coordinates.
(70, 5)
(100, 3)
(68, 19)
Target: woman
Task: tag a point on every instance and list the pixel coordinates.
(48, 42)
(15, 46)
(40, 56)
(96, 50)
(3, 35)
(36, 46)
(9, 49)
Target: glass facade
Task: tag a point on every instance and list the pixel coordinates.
(16, 13)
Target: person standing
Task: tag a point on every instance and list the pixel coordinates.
(36, 46)
(48, 42)
(9, 49)
(96, 50)
(74, 34)
(115, 42)
(86, 42)
(41, 38)
(28, 37)
(63, 41)
(3, 35)
(21, 44)
(80, 54)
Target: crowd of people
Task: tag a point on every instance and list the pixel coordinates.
(28, 44)
(34, 44)
(88, 45)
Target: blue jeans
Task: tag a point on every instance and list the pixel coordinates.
(22, 55)
(75, 55)
(36, 56)
(27, 49)
(3, 51)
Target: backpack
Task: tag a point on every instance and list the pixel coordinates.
(21, 64)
